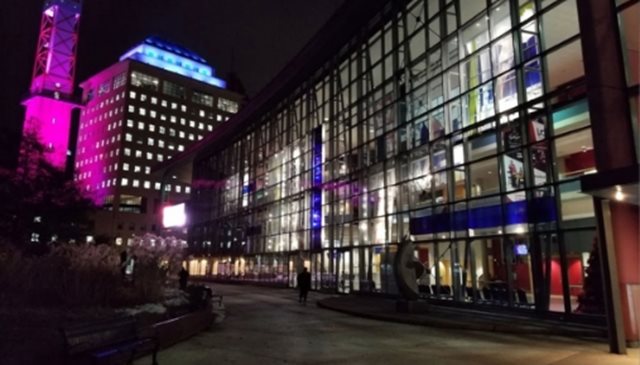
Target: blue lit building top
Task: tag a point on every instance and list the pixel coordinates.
(173, 58)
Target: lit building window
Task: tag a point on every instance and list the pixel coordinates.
(201, 126)
(227, 105)
(124, 182)
(131, 109)
(141, 126)
(143, 97)
(150, 141)
(149, 156)
(125, 166)
(142, 111)
(219, 118)
(164, 103)
(135, 183)
(152, 113)
(160, 143)
(161, 130)
(183, 108)
(160, 158)
(147, 170)
(136, 168)
(138, 154)
(119, 81)
(128, 137)
(203, 99)
(191, 137)
(152, 127)
(187, 189)
(181, 134)
(157, 186)
(173, 119)
(144, 81)
(127, 152)
(132, 94)
(178, 189)
(154, 100)
(180, 148)
(192, 124)
(209, 128)
(147, 184)
(130, 123)
(201, 113)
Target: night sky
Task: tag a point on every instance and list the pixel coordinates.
(262, 35)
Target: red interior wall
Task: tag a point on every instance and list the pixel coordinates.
(575, 276)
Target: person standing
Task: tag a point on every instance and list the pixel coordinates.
(184, 278)
(304, 284)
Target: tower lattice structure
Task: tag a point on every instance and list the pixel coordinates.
(50, 103)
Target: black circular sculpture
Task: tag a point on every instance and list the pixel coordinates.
(407, 269)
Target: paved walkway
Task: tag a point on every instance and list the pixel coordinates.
(268, 326)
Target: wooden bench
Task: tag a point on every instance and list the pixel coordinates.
(106, 341)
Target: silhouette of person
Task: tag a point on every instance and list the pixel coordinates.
(124, 257)
(184, 277)
(304, 284)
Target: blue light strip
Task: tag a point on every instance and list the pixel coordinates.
(172, 62)
(537, 210)
(316, 190)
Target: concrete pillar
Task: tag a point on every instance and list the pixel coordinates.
(614, 148)
(607, 90)
(625, 226)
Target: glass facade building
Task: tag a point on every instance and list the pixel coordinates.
(464, 124)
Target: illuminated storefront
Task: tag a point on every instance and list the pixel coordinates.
(465, 124)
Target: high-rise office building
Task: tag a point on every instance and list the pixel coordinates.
(499, 134)
(159, 99)
(50, 103)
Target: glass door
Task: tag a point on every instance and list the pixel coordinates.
(344, 271)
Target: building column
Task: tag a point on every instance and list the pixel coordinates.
(625, 227)
(614, 149)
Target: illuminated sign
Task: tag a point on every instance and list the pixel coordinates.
(174, 216)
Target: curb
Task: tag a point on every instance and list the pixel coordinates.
(469, 326)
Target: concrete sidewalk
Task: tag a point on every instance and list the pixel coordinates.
(458, 318)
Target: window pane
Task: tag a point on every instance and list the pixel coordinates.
(560, 23)
(484, 177)
(574, 154)
(474, 36)
(564, 66)
(570, 117)
(629, 19)
(502, 55)
(500, 19)
(470, 9)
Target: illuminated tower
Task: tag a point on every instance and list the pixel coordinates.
(50, 102)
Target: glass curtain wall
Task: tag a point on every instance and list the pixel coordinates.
(466, 127)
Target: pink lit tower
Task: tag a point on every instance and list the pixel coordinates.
(50, 103)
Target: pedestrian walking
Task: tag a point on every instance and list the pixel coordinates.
(304, 284)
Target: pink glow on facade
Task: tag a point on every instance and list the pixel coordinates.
(50, 119)
(100, 132)
(49, 107)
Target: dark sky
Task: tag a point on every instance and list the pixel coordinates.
(262, 35)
